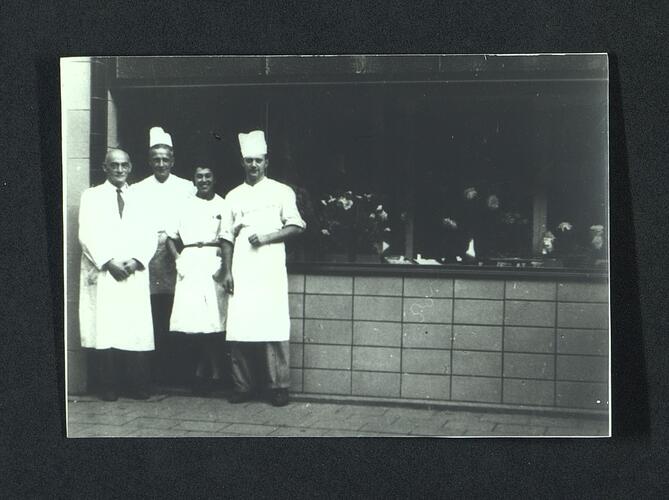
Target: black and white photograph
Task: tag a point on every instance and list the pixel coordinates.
(336, 246)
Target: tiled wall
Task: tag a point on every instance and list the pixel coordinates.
(520, 343)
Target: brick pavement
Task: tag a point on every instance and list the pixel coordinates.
(184, 416)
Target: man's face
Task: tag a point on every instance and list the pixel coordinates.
(255, 167)
(117, 166)
(204, 181)
(161, 160)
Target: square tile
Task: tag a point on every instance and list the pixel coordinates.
(583, 368)
(327, 381)
(529, 365)
(528, 313)
(328, 306)
(575, 315)
(477, 363)
(296, 305)
(583, 292)
(478, 312)
(428, 287)
(327, 356)
(342, 285)
(327, 331)
(377, 308)
(583, 341)
(378, 285)
(531, 290)
(529, 339)
(529, 392)
(296, 283)
(426, 335)
(296, 330)
(485, 390)
(477, 337)
(421, 310)
(296, 379)
(426, 361)
(425, 386)
(376, 384)
(296, 351)
(479, 289)
(377, 333)
(386, 359)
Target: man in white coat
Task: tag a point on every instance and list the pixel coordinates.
(114, 302)
(162, 194)
(263, 214)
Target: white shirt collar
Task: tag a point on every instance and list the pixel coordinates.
(124, 188)
(261, 181)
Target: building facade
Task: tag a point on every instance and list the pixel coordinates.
(515, 316)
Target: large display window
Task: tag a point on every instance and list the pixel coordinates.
(480, 170)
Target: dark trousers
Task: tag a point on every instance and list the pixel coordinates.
(250, 358)
(120, 370)
(163, 358)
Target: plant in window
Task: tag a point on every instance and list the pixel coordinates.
(355, 223)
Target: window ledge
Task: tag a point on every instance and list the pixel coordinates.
(449, 271)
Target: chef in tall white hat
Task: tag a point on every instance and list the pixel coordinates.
(263, 214)
(162, 194)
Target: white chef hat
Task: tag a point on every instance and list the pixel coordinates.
(253, 144)
(158, 136)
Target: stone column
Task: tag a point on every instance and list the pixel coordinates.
(88, 113)
(76, 126)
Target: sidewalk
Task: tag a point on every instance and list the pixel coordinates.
(184, 416)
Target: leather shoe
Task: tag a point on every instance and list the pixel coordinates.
(239, 397)
(280, 397)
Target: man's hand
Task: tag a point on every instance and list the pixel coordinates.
(226, 281)
(257, 240)
(131, 266)
(117, 270)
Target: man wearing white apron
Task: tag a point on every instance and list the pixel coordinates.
(162, 194)
(114, 301)
(263, 214)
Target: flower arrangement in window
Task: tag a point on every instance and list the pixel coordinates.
(575, 249)
(355, 223)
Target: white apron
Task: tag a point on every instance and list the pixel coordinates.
(114, 314)
(258, 309)
(199, 301)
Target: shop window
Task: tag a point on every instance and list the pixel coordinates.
(495, 173)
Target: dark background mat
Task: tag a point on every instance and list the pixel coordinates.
(35, 457)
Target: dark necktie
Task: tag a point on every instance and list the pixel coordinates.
(119, 200)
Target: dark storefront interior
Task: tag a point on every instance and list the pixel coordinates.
(414, 146)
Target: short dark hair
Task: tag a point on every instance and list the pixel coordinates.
(200, 165)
